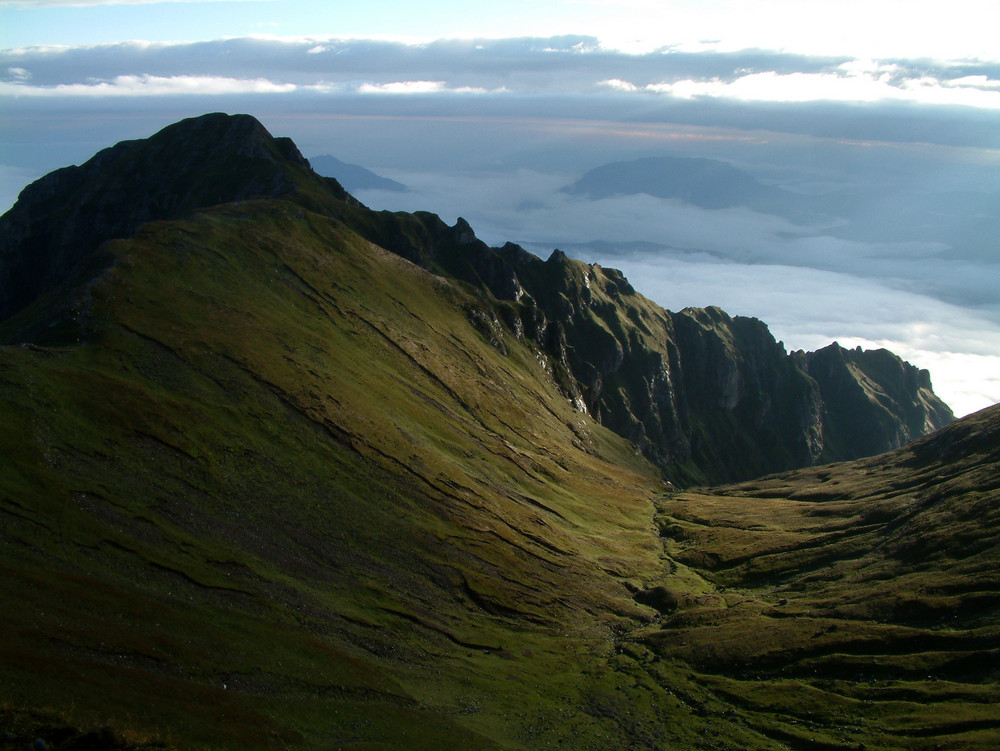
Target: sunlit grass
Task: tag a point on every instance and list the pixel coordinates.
(288, 495)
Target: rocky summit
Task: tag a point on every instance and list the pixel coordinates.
(281, 471)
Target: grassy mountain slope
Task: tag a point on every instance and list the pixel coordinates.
(288, 493)
(291, 490)
(862, 599)
(287, 488)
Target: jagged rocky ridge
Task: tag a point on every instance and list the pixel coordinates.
(707, 396)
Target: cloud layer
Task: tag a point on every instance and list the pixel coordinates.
(558, 66)
(865, 28)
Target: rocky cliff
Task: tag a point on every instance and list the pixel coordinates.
(895, 397)
(706, 396)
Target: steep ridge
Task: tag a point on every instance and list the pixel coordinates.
(893, 394)
(706, 396)
(292, 490)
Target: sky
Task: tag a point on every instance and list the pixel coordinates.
(886, 113)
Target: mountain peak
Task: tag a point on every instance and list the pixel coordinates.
(48, 240)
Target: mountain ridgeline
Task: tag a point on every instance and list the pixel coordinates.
(280, 471)
(706, 396)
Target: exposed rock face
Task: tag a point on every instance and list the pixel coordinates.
(711, 397)
(895, 397)
(708, 397)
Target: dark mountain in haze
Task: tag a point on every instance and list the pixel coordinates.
(707, 396)
(708, 183)
(316, 476)
(352, 176)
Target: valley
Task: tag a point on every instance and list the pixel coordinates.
(284, 472)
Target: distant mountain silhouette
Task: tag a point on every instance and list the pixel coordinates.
(352, 176)
(707, 183)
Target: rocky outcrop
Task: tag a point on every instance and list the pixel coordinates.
(874, 401)
(708, 397)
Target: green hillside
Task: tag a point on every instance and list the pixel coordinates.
(286, 490)
(856, 604)
(265, 483)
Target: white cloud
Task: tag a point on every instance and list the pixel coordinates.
(619, 85)
(420, 87)
(975, 82)
(402, 87)
(570, 66)
(144, 85)
(853, 84)
(129, 48)
(885, 28)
